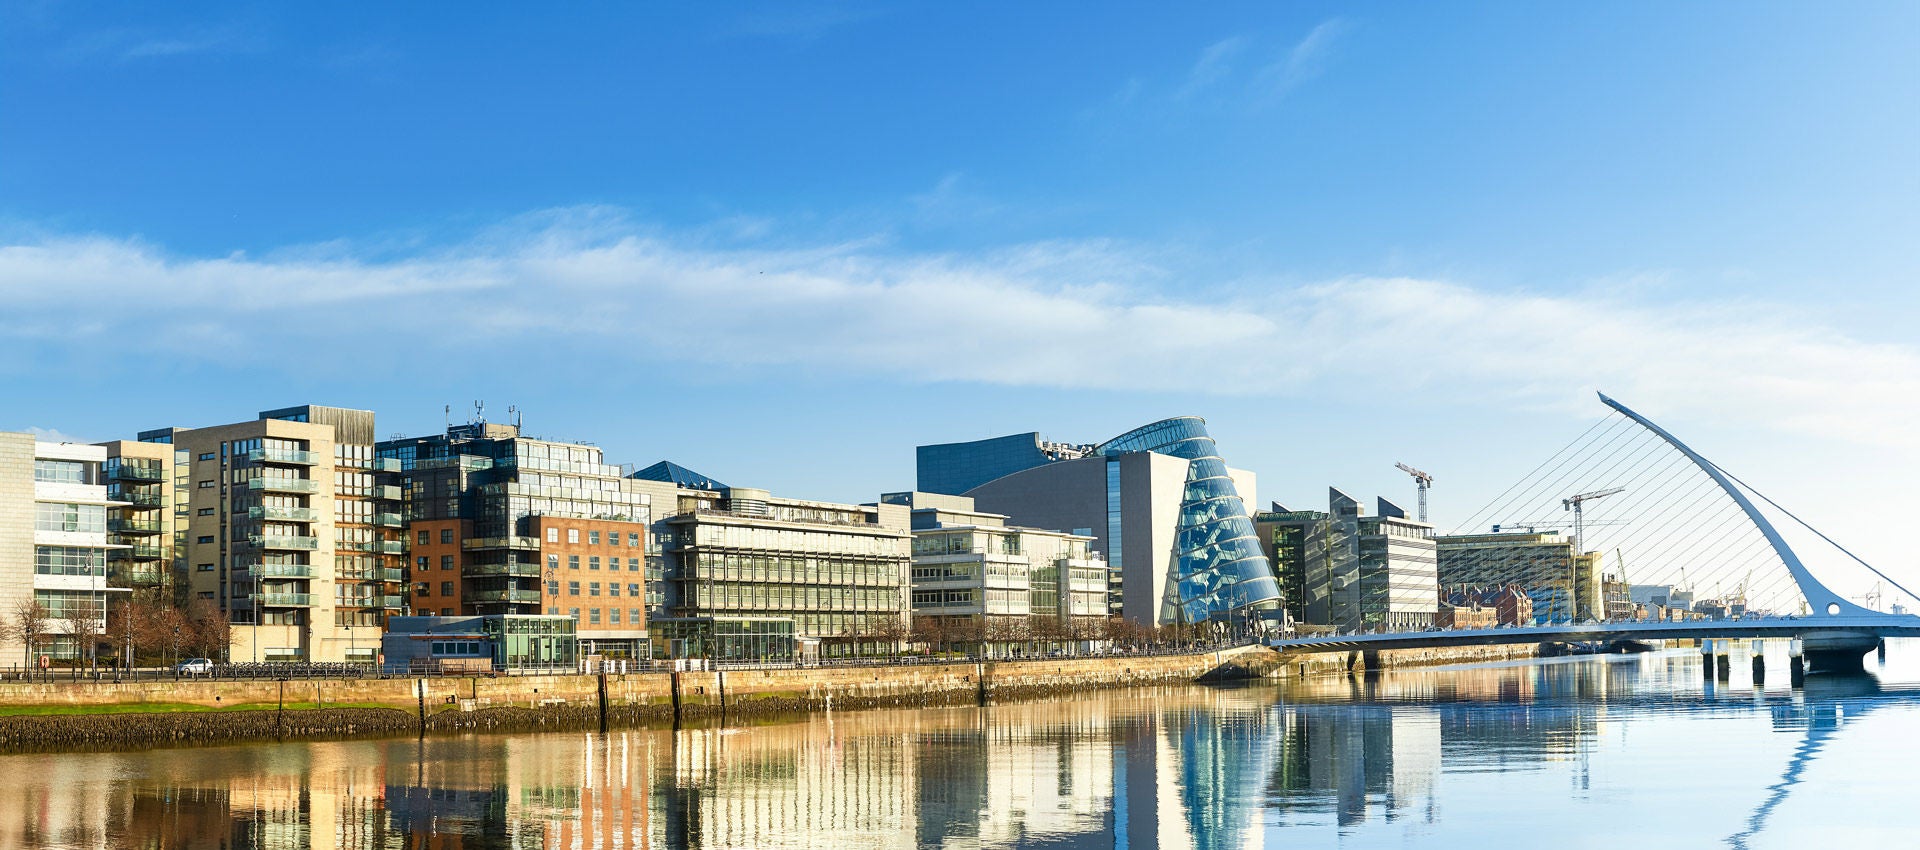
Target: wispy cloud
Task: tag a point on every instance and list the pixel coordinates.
(1239, 72)
(1077, 314)
(130, 45)
(53, 435)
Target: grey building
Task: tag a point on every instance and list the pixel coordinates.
(1158, 501)
(1345, 569)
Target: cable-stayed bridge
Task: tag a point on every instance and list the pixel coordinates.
(1645, 508)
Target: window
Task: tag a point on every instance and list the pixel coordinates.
(553, 588)
(633, 539)
(633, 565)
(613, 538)
(574, 613)
(553, 535)
(206, 455)
(573, 535)
(206, 512)
(593, 615)
(206, 485)
(446, 562)
(421, 562)
(613, 588)
(446, 612)
(52, 516)
(593, 589)
(573, 562)
(633, 616)
(573, 589)
(446, 588)
(205, 568)
(206, 538)
(593, 563)
(446, 535)
(422, 589)
(420, 538)
(553, 562)
(633, 590)
(593, 538)
(613, 616)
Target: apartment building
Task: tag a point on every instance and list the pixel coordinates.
(293, 528)
(53, 544)
(143, 524)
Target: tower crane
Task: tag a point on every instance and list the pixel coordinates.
(1422, 481)
(1576, 503)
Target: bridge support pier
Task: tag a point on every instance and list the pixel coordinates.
(1759, 665)
(1838, 652)
(1706, 659)
(1723, 665)
(1882, 649)
(1796, 670)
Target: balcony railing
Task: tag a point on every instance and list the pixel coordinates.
(135, 525)
(292, 514)
(528, 570)
(281, 571)
(138, 551)
(125, 471)
(137, 499)
(385, 464)
(389, 520)
(268, 542)
(389, 492)
(283, 600)
(137, 576)
(527, 543)
(390, 547)
(393, 602)
(392, 574)
(286, 456)
(284, 485)
(503, 596)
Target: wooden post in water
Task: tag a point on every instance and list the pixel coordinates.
(603, 701)
(420, 692)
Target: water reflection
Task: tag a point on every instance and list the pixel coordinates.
(1466, 755)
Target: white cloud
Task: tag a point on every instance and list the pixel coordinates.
(51, 435)
(1089, 315)
(1304, 61)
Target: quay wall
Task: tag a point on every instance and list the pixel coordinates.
(57, 715)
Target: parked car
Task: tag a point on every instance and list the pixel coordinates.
(195, 667)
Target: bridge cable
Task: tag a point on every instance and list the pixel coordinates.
(1830, 541)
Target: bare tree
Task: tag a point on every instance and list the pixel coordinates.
(890, 630)
(931, 632)
(82, 623)
(28, 626)
(207, 631)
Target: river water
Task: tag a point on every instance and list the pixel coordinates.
(1620, 751)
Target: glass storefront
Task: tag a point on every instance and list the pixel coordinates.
(725, 638)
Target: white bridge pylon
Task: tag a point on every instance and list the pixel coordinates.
(1823, 601)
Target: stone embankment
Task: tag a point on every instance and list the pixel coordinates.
(63, 715)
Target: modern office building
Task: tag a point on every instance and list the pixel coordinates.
(490, 642)
(1543, 563)
(506, 524)
(838, 571)
(293, 531)
(980, 582)
(145, 524)
(1348, 570)
(53, 544)
(1158, 500)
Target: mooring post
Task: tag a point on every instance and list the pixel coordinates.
(674, 686)
(603, 701)
(420, 692)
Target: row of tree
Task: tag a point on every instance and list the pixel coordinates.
(152, 628)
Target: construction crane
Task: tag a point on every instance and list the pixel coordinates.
(1577, 503)
(1420, 480)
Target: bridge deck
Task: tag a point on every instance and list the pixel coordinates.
(1882, 625)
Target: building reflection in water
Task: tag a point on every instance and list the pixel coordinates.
(1168, 768)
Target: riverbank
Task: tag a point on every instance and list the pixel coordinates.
(92, 714)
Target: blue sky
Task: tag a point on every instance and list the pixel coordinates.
(784, 243)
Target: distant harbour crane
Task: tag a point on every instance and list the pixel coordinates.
(1420, 480)
(1576, 503)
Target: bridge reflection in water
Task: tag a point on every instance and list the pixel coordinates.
(1624, 746)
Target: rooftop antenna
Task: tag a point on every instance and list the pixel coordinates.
(479, 412)
(1420, 480)
(514, 411)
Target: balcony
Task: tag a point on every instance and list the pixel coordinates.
(392, 574)
(281, 571)
(389, 492)
(139, 576)
(284, 485)
(136, 498)
(532, 596)
(127, 471)
(135, 525)
(262, 541)
(283, 456)
(393, 602)
(289, 514)
(390, 547)
(531, 544)
(524, 570)
(389, 520)
(283, 600)
(142, 550)
(385, 464)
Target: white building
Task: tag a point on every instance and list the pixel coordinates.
(53, 541)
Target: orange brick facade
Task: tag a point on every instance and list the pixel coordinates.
(594, 569)
(436, 564)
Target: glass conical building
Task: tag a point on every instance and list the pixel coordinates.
(1219, 566)
(1165, 510)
